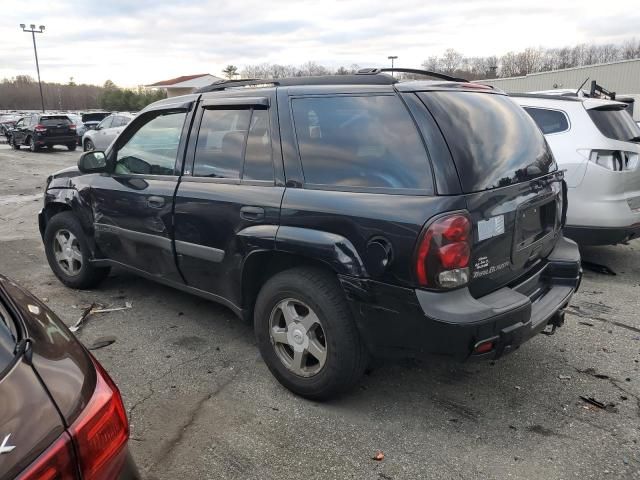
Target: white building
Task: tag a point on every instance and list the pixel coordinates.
(621, 77)
(185, 84)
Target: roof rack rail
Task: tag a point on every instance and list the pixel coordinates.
(245, 82)
(441, 76)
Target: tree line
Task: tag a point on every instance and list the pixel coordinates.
(511, 64)
(22, 93)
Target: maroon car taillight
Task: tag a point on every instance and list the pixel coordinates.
(56, 463)
(101, 431)
(99, 435)
(444, 251)
(40, 128)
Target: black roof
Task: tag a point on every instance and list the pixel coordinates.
(365, 76)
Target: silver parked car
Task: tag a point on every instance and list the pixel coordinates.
(106, 131)
(598, 144)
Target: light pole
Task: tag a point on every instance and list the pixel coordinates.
(33, 32)
(392, 58)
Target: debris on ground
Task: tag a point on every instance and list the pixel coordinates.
(378, 457)
(96, 308)
(564, 377)
(102, 342)
(593, 401)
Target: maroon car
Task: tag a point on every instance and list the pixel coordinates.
(61, 415)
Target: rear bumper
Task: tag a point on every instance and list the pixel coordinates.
(602, 235)
(56, 140)
(400, 322)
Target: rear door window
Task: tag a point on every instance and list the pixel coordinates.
(615, 122)
(360, 142)
(221, 141)
(549, 121)
(494, 143)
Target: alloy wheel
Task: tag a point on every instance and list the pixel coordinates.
(66, 250)
(298, 337)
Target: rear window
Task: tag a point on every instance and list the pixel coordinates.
(493, 141)
(360, 142)
(53, 121)
(615, 123)
(549, 121)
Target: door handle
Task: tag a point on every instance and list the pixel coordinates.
(155, 202)
(253, 214)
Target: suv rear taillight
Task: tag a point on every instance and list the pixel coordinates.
(72, 127)
(99, 435)
(101, 431)
(616, 160)
(40, 128)
(56, 463)
(443, 253)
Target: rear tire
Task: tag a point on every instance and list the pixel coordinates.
(32, 145)
(316, 294)
(71, 147)
(68, 253)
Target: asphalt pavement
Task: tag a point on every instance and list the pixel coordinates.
(202, 403)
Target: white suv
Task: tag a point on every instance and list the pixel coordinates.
(598, 144)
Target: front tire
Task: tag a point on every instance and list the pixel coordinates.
(68, 253)
(12, 142)
(306, 334)
(89, 146)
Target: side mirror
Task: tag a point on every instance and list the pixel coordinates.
(97, 127)
(92, 162)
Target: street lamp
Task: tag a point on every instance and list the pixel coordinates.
(33, 32)
(392, 58)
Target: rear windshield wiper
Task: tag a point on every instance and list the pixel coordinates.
(635, 139)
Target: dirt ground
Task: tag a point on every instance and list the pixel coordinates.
(202, 404)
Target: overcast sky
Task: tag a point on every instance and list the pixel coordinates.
(134, 42)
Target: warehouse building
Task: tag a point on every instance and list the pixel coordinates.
(621, 77)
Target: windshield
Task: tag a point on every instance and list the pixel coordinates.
(493, 141)
(615, 123)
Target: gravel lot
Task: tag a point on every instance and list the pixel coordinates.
(202, 404)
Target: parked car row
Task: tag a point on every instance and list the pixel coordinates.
(91, 130)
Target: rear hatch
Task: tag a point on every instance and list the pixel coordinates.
(614, 122)
(509, 179)
(29, 421)
(56, 126)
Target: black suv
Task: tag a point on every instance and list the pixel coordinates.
(41, 130)
(348, 216)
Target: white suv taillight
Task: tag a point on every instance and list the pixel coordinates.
(615, 160)
(443, 253)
